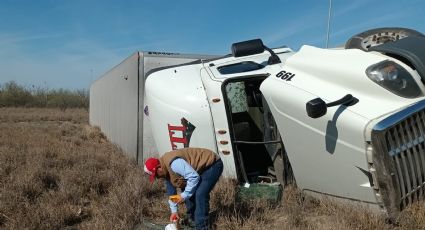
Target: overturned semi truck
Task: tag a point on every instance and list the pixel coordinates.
(348, 122)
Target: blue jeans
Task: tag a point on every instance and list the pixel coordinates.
(198, 206)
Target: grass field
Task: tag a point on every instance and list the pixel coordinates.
(57, 172)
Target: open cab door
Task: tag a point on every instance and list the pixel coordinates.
(260, 156)
(256, 138)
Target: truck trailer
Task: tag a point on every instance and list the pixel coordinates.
(346, 123)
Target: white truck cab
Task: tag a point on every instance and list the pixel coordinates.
(346, 123)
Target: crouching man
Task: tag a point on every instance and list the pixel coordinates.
(195, 171)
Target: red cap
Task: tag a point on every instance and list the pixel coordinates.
(151, 165)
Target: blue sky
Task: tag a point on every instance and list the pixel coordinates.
(70, 43)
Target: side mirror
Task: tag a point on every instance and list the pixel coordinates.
(247, 48)
(317, 107)
(252, 47)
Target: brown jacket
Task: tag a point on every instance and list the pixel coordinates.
(198, 158)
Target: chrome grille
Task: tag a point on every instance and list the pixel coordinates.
(398, 143)
(406, 145)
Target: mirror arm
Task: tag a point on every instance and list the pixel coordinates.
(346, 100)
(317, 107)
(273, 59)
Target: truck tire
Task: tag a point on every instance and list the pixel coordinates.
(379, 36)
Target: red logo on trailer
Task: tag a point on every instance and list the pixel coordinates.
(185, 130)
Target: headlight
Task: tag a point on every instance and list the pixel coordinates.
(394, 78)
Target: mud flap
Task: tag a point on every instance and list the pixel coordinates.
(270, 192)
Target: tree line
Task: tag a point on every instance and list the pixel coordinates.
(14, 95)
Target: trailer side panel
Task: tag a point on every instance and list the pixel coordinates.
(113, 104)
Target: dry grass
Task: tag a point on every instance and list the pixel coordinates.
(57, 172)
(14, 115)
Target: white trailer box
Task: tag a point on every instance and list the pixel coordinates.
(117, 101)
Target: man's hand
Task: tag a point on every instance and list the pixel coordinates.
(177, 199)
(174, 217)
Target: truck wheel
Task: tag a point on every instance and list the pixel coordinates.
(283, 169)
(379, 36)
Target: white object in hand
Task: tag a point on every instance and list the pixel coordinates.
(171, 226)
